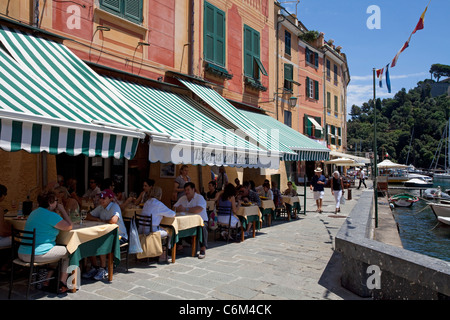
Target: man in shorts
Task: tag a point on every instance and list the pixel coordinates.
(317, 185)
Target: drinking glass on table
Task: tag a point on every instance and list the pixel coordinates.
(83, 215)
(14, 205)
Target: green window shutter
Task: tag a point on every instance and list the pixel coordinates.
(113, 6)
(308, 83)
(248, 52)
(208, 49)
(316, 59)
(287, 42)
(336, 107)
(214, 35)
(132, 10)
(252, 63)
(309, 126)
(288, 76)
(316, 90)
(328, 102)
(318, 133)
(220, 38)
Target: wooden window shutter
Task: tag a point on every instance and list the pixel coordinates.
(111, 6)
(133, 10)
(316, 90)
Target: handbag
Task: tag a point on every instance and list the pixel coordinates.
(342, 200)
(134, 242)
(151, 245)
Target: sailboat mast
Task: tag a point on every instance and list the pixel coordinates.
(448, 144)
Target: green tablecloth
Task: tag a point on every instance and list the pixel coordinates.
(250, 219)
(196, 231)
(268, 211)
(100, 246)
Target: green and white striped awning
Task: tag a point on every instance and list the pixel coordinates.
(267, 139)
(306, 148)
(52, 101)
(198, 136)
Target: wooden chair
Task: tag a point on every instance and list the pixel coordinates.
(28, 239)
(144, 223)
(227, 212)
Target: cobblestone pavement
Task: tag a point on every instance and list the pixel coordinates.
(291, 260)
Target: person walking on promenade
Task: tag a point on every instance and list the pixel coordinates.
(362, 179)
(337, 190)
(317, 185)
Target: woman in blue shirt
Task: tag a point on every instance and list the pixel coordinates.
(48, 223)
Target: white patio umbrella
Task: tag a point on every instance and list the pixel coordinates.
(388, 164)
(342, 162)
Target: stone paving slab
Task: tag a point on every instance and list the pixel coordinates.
(292, 260)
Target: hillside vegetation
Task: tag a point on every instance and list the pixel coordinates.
(413, 117)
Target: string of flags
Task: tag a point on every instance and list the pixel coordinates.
(385, 71)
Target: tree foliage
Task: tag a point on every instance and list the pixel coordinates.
(440, 70)
(409, 126)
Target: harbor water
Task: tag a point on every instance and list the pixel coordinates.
(419, 229)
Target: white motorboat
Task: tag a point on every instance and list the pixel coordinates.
(444, 220)
(418, 183)
(440, 209)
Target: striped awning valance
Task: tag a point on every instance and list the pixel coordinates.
(36, 138)
(305, 148)
(46, 88)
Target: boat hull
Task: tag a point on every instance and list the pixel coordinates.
(403, 200)
(418, 185)
(440, 210)
(444, 220)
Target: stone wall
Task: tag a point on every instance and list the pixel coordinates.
(373, 269)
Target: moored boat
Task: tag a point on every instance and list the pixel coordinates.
(445, 220)
(403, 200)
(440, 209)
(418, 183)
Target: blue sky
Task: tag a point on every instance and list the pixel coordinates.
(345, 22)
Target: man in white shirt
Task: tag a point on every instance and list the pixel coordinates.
(194, 203)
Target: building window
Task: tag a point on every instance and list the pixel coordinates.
(288, 77)
(287, 42)
(313, 126)
(328, 69)
(252, 63)
(127, 9)
(336, 105)
(328, 102)
(214, 35)
(288, 118)
(336, 75)
(312, 57)
(312, 89)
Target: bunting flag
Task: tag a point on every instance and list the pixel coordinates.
(380, 76)
(420, 25)
(388, 79)
(394, 61)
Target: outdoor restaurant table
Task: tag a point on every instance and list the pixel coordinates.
(268, 209)
(17, 223)
(91, 238)
(294, 203)
(249, 214)
(184, 225)
(129, 212)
